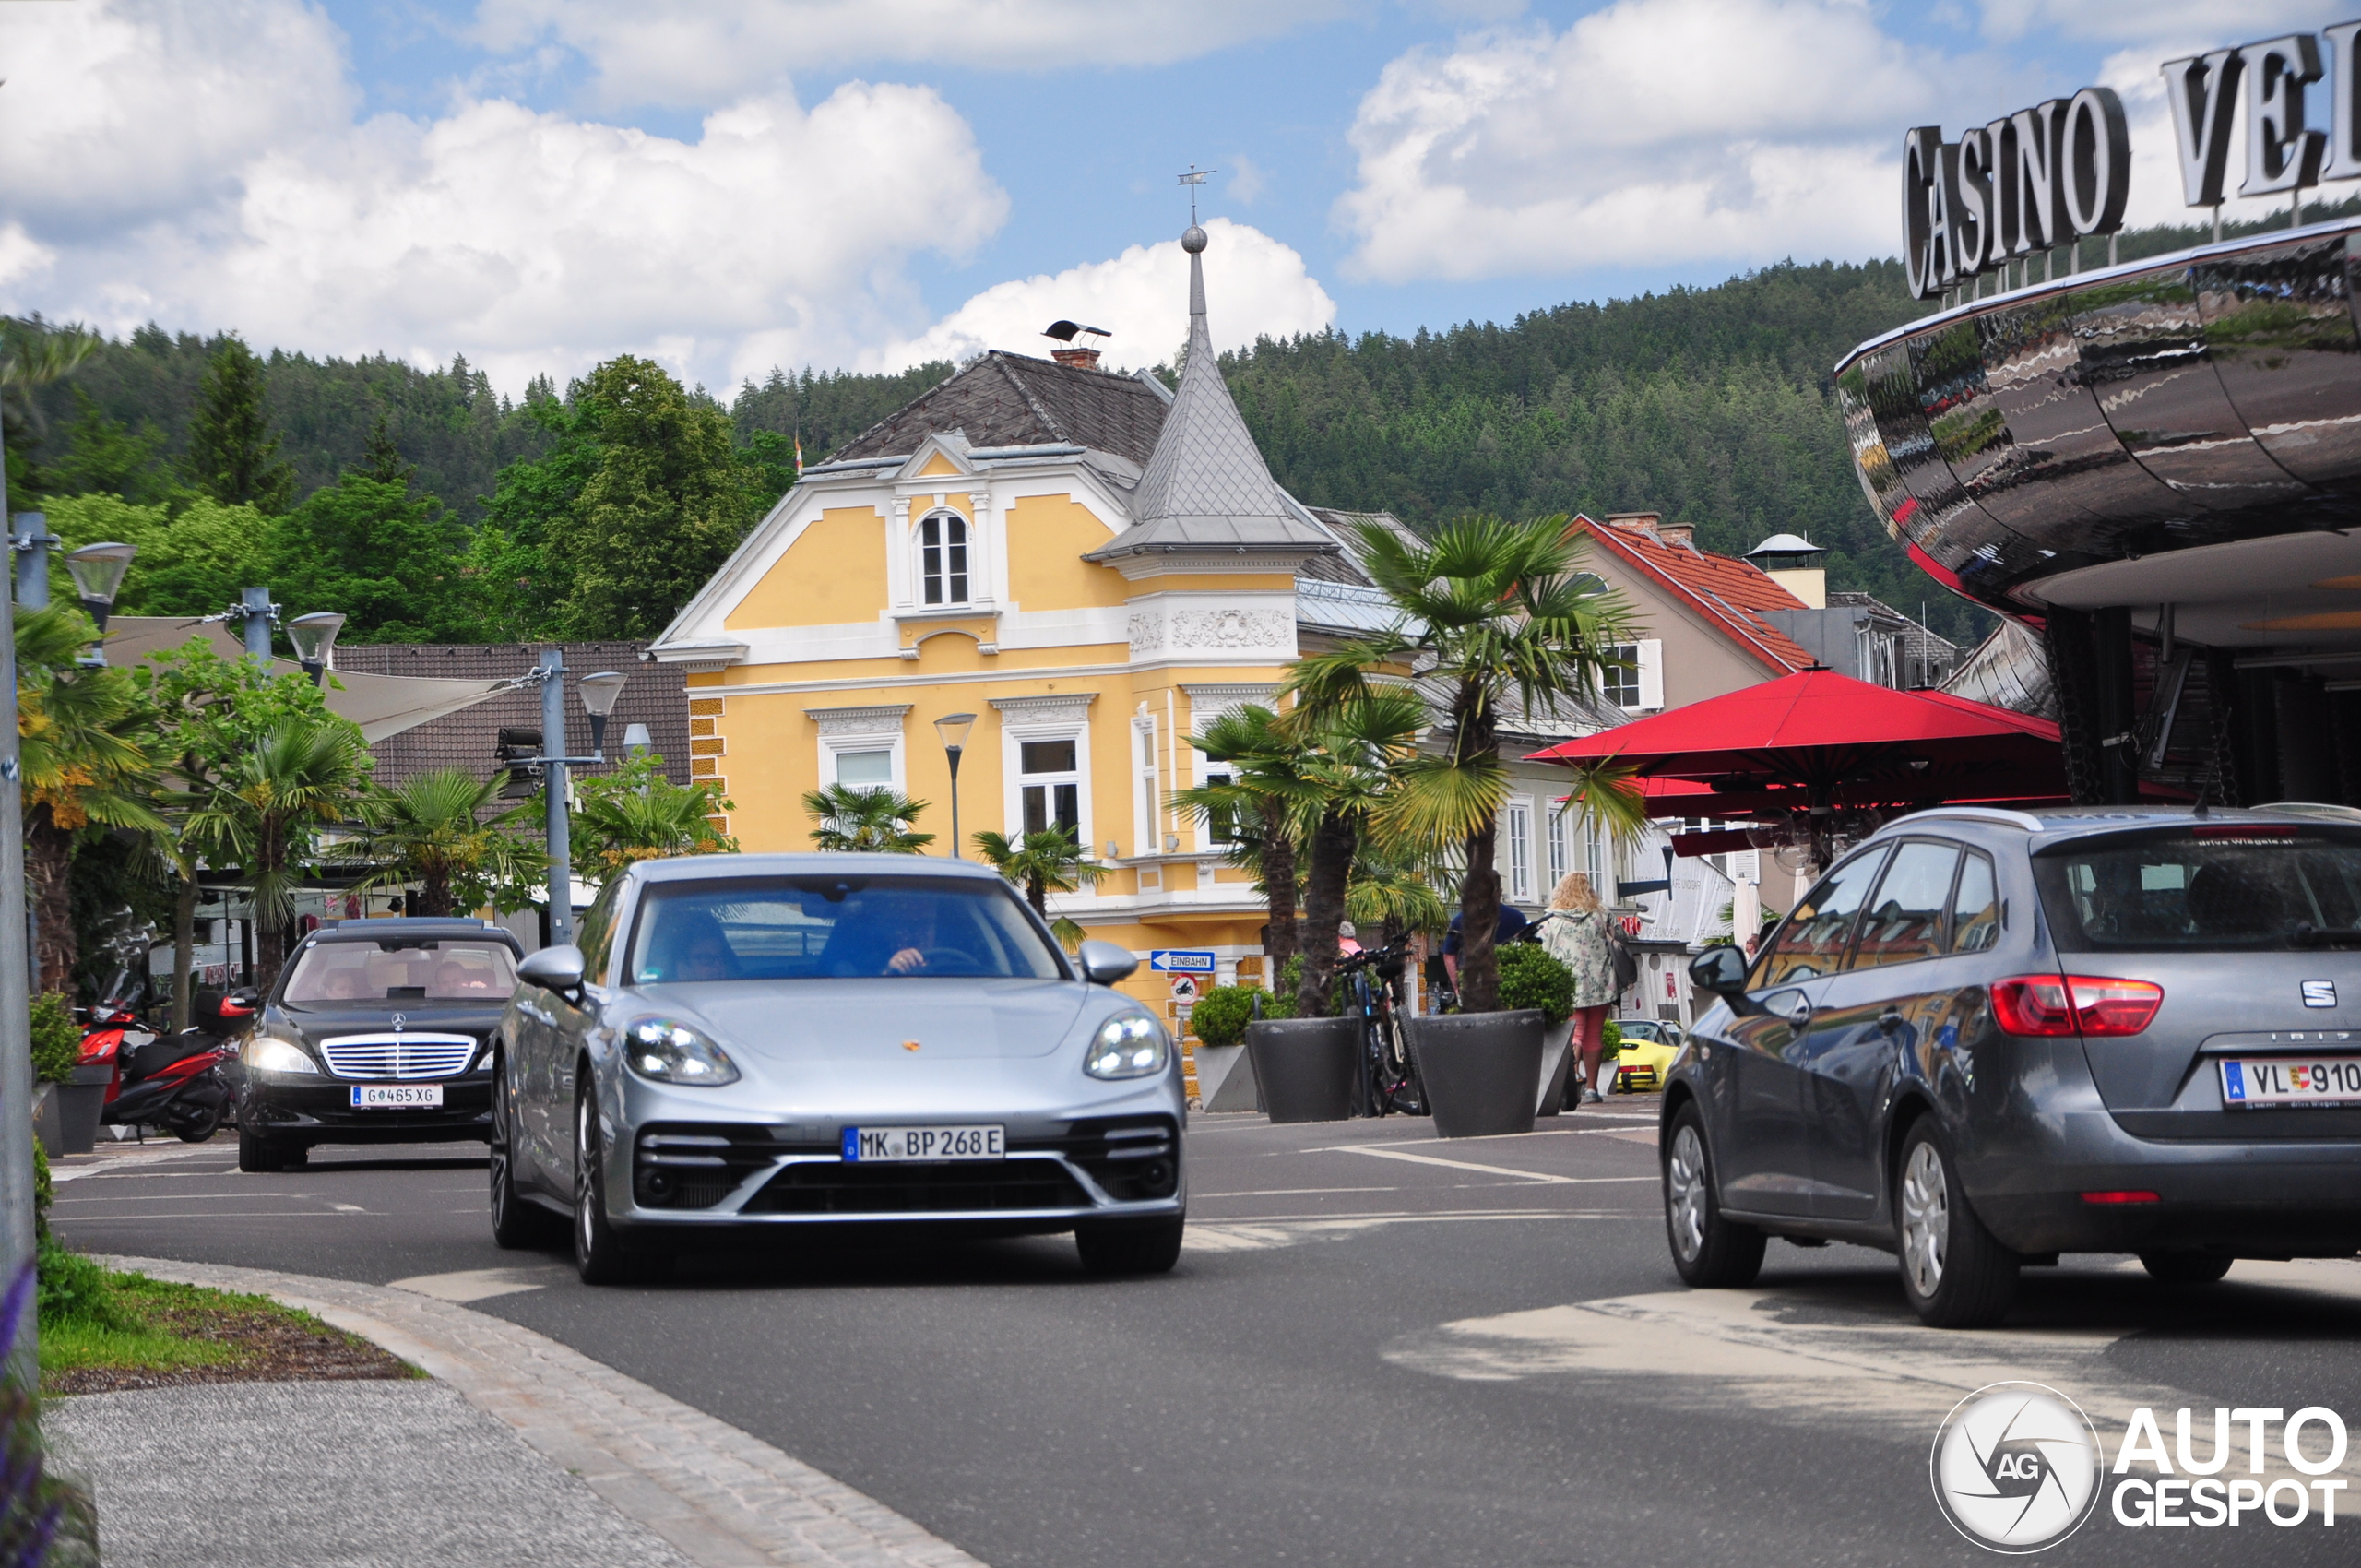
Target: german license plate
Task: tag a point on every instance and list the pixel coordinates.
(2291, 1080)
(885, 1144)
(397, 1097)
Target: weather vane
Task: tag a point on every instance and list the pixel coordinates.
(1193, 179)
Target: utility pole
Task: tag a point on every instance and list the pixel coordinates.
(560, 872)
(16, 1006)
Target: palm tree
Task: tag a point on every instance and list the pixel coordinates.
(637, 813)
(432, 830)
(866, 821)
(1488, 609)
(265, 812)
(1357, 750)
(1258, 802)
(1049, 861)
(84, 735)
(1392, 893)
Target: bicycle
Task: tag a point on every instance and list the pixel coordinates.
(1389, 1074)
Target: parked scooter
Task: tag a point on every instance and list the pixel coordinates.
(176, 1083)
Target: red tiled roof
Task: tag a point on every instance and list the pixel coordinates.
(1723, 589)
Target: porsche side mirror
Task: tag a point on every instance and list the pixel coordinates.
(555, 969)
(1721, 971)
(1103, 963)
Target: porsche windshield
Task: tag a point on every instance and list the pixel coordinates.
(329, 973)
(835, 928)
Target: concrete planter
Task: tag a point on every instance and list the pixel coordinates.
(1307, 1068)
(1557, 1064)
(1225, 1078)
(79, 1104)
(1480, 1070)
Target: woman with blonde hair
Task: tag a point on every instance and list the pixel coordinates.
(1574, 932)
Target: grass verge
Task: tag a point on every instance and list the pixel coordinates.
(102, 1331)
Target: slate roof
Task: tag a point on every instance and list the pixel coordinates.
(653, 697)
(1724, 590)
(1344, 528)
(1928, 649)
(1207, 486)
(1004, 399)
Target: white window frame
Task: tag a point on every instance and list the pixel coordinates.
(1145, 795)
(967, 545)
(1560, 862)
(1645, 678)
(1049, 718)
(1518, 821)
(861, 729)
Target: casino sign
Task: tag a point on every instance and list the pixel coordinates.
(2156, 466)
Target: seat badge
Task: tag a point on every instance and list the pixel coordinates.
(2319, 994)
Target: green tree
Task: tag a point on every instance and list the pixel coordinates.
(865, 821)
(1490, 610)
(517, 585)
(85, 737)
(382, 459)
(444, 830)
(636, 813)
(1040, 864)
(193, 558)
(105, 456)
(264, 812)
(391, 562)
(667, 505)
(233, 452)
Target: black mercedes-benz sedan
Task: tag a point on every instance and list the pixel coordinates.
(1990, 1037)
(375, 1034)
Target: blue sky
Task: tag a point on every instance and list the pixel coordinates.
(539, 184)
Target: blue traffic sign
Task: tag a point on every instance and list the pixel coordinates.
(1182, 961)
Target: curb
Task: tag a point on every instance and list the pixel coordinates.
(722, 1497)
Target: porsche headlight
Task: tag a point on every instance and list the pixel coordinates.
(672, 1052)
(270, 1055)
(1129, 1045)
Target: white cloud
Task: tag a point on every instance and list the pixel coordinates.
(531, 241)
(1255, 287)
(2202, 23)
(1652, 131)
(714, 49)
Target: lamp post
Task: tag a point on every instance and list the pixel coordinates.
(31, 542)
(953, 728)
(98, 570)
(315, 639)
(599, 695)
(256, 615)
(16, 1001)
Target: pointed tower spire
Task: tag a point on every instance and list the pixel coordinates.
(1206, 488)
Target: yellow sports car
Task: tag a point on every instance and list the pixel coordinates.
(1649, 1046)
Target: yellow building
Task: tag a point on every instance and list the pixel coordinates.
(1094, 566)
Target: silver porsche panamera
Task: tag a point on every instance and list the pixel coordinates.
(745, 1042)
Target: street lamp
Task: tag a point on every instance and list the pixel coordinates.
(953, 728)
(315, 639)
(97, 571)
(599, 695)
(638, 742)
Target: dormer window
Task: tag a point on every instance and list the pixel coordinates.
(943, 559)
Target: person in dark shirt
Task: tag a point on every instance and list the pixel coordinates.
(1510, 925)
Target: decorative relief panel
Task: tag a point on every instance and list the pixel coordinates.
(841, 721)
(1230, 629)
(1052, 707)
(1147, 632)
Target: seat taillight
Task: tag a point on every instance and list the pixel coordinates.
(2055, 1005)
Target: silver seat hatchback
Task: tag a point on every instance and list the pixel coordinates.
(743, 1043)
(1989, 1037)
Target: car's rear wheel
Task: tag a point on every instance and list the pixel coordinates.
(600, 1254)
(1130, 1246)
(2185, 1268)
(517, 1221)
(1955, 1272)
(1710, 1252)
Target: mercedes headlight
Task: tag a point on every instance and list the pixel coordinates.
(1130, 1045)
(672, 1052)
(284, 1058)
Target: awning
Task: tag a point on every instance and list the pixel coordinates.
(381, 704)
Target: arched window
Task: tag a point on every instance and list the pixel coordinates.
(942, 558)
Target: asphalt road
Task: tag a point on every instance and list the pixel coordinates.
(1378, 1348)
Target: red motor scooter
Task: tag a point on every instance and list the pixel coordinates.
(174, 1083)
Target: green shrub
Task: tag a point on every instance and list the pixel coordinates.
(43, 1189)
(1531, 978)
(73, 1290)
(1610, 1038)
(57, 1038)
(1222, 1014)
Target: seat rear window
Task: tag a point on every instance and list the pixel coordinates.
(2227, 889)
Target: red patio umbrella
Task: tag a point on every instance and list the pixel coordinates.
(1826, 744)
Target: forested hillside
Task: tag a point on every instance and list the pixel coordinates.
(428, 507)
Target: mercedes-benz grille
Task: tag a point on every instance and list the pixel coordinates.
(398, 1056)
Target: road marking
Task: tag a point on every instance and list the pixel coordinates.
(1292, 1191)
(481, 1284)
(206, 1214)
(77, 1172)
(1262, 1234)
(1539, 1178)
(348, 1208)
